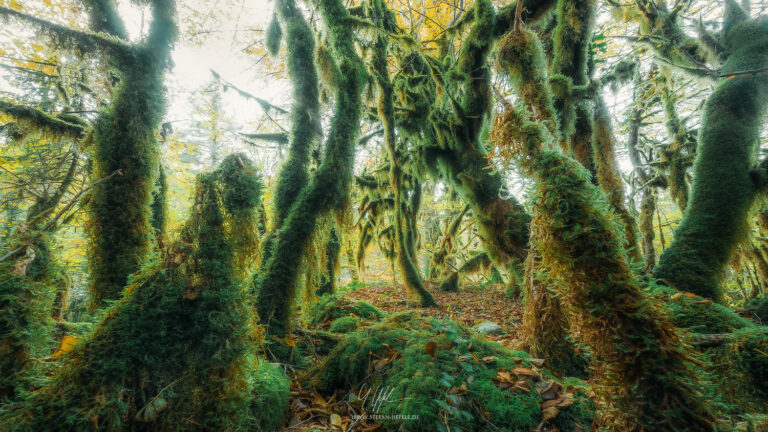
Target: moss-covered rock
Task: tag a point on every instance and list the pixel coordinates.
(438, 374)
(331, 307)
(272, 390)
(345, 324)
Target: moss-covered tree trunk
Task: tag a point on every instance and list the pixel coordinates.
(124, 139)
(403, 228)
(572, 38)
(723, 189)
(645, 371)
(609, 176)
(328, 187)
(175, 353)
(332, 251)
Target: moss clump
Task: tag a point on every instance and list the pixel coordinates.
(345, 324)
(698, 314)
(175, 353)
(27, 292)
(758, 308)
(739, 371)
(272, 396)
(436, 373)
(331, 307)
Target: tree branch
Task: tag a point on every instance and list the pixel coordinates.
(84, 41)
(44, 121)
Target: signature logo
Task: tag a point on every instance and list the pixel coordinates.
(375, 398)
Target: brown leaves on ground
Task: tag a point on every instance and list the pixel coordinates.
(553, 396)
(339, 412)
(469, 306)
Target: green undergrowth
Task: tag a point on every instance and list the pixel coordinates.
(735, 361)
(27, 290)
(330, 307)
(758, 309)
(345, 324)
(438, 375)
(697, 314)
(272, 390)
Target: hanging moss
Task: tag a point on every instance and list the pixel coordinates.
(544, 316)
(440, 373)
(722, 191)
(332, 251)
(608, 174)
(175, 353)
(673, 156)
(386, 111)
(575, 21)
(274, 36)
(124, 139)
(305, 110)
(326, 190)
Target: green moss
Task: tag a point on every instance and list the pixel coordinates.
(272, 391)
(175, 353)
(722, 191)
(274, 36)
(345, 324)
(159, 207)
(698, 314)
(331, 307)
(424, 385)
(641, 354)
(332, 253)
(27, 291)
(328, 188)
(124, 139)
(758, 308)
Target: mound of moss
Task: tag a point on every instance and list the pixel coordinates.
(438, 375)
(272, 390)
(345, 324)
(698, 314)
(330, 307)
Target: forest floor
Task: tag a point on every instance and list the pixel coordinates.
(469, 306)
(310, 411)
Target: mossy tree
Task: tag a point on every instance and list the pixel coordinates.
(123, 137)
(641, 355)
(723, 188)
(445, 106)
(328, 187)
(177, 350)
(403, 226)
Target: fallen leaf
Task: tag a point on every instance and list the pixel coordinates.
(431, 349)
(335, 420)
